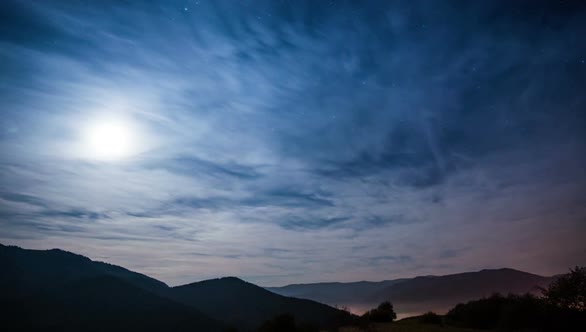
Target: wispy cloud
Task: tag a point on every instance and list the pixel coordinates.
(277, 137)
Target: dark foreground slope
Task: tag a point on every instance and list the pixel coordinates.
(100, 304)
(420, 294)
(246, 305)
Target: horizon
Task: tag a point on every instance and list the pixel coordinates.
(293, 141)
(295, 284)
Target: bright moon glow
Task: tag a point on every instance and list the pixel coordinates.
(109, 141)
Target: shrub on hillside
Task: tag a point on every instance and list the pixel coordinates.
(568, 291)
(383, 313)
(498, 311)
(516, 313)
(343, 318)
(431, 318)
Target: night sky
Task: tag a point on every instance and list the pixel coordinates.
(290, 141)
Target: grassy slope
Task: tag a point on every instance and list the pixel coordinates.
(410, 325)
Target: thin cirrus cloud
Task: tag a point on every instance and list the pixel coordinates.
(285, 141)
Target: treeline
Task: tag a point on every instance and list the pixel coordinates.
(560, 308)
(287, 322)
(513, 312)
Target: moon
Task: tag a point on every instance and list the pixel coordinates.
(110, 140)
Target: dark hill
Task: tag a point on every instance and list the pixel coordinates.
(463, 286)
(58, 290)
(41, 268)
(100, 304)
(54, 290)
(439, 293)
(246, 305)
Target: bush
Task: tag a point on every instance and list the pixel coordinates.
(431, 318)
(383, 313)
(480, 314)
(497, 311)
(568, 291)
(514, 313)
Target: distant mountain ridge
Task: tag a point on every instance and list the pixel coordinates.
(419, 294)
(56, 290)
(334, 293)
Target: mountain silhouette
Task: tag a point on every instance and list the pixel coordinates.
(334, 293)
(39, 268)
(243, 304)
(420, 294)
(464, 286)
(55, 290)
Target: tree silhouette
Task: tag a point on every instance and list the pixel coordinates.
(569, 290)
(383, 313)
